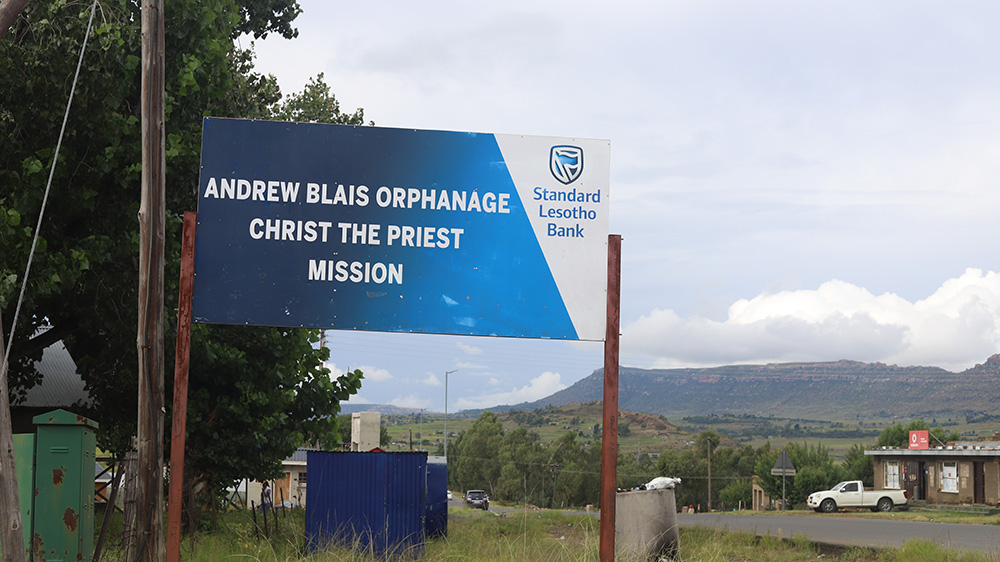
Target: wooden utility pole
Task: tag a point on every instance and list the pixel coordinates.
(609, 444)
(152, 213)
(709, 503)
(12, 533)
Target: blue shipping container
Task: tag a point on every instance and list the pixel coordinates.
(371, 502)
(437, 499)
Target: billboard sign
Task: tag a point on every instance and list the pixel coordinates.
(368, 228)
(919, 439)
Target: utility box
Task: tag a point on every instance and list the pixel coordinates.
(63, 512)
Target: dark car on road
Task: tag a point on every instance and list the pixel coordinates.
(477, 499)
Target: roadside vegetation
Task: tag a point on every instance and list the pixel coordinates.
(550, 457)
(536, 536)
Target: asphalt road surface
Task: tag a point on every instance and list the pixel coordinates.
(840, 529)
(837, 529)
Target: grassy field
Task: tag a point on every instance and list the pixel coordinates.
(529, 536)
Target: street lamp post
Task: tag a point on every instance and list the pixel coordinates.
(421, 442)
(446, 373)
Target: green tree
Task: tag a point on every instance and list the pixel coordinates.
(736, 493)
(573, 472)
(85, 273)
(317, 104)
(521, 473)
(691, 468)
(893, 436)
(249, 410)
(859, 466)
(815, 470)
(896, 435)
(476, 455)
(634, 469)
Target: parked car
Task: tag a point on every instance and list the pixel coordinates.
(477, 499)
(854, 494)
(449, 495)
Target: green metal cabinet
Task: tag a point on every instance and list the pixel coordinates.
(24, 463)
(65, 447)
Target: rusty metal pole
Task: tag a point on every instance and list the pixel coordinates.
(149, 340)
(609, 444)
(182, 359)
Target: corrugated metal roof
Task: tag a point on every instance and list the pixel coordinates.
(61, 386)
(299, 454)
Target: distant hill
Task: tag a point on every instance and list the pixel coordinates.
(829, 390)
(386, 409)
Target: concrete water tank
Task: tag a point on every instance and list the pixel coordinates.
(646, 525)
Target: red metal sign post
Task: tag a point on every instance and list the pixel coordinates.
(181, 364)
(609, 447)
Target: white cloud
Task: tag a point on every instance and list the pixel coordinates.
(375, 374)
(432, 380)
(334, 370)
(411, 401)
(955, 327)
(470, 349)
(539, 387)
(470, 366)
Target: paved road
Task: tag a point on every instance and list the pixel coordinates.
(844, 530)
(839, 529)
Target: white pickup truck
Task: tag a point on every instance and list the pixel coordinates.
(854, 494)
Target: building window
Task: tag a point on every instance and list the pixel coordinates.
(949, 477)
(892, 475)
(302, 477)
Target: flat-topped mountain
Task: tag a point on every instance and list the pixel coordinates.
(827, 390)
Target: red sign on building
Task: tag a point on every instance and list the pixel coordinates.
(919, 439)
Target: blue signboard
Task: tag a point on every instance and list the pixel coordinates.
(366, 228)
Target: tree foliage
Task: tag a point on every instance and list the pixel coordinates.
(730, 464)
(896, 435)
(477, 455)
(859, 466)
(316, 103)
(815, 469)
(514, 466)
(255, 393)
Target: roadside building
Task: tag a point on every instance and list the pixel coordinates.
(293, 486)
(762, 501)
(963, 473)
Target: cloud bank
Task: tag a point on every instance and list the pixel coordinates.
(955, 327)
(539, 387)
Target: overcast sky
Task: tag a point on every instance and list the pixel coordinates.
(793, 181)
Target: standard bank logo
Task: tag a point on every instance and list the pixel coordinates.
(566, 163)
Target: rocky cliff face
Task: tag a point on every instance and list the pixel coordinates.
(828, 390)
